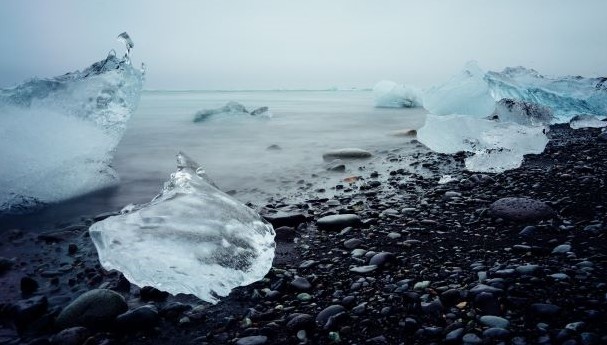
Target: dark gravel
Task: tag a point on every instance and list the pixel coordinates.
(420, 263)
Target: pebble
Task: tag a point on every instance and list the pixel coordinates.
(327, 317)
(352, 243)
(561, 249)
(143, 317)
(347, 153)
(338, 222)
(28, 286)
(301, 284)
(494, 321)
(363, 269)
(252, 340)
(521, 209)
(71, 336)
(94, 308)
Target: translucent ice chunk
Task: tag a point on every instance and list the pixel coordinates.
(191, 238)
(59, 133)
(128, 42)
(389, 94)
(232, 109)
(496, 146)
(465, 93)
(586, 121)
(522, 112)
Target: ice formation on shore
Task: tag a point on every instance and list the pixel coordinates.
(57, 134)
(474, 92)
(501, 116)
(522, 112)
(586, 121)
(191, 238)
(232, 109)
(496, 146)
(465, 93)
(389, 94)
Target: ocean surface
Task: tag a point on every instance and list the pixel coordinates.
(234, 149)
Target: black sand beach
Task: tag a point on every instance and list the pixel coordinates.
(417, 263)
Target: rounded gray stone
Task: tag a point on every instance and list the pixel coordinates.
(521, 209)
(349, 153)
(338, 221)
(92, 309)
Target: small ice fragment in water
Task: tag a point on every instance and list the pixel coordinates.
(446, 179)
(192, 238)
(232, 109)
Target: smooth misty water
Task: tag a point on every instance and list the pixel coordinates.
(234, 150)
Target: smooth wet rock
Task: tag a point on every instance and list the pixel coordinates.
(454, 336)
(285, 219)
(528, 231)
(144, 317)
(300, 321)
(382, 259)
(338, 222)
(496, 333)
(252, 340)
(336, 165)
(301, 284)
(93, 309)
(328, 316)
(521, 209)
(71, 336)
(149, 293)
(561, 249)
(349, 153)
(494, 321)
(487, 303)
(363, 269)
(352, 243)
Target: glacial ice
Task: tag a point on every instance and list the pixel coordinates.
(522, 112)
(191, 238)
(474, 92)
(59, 133)
(465, 93)
(496, 146)
(567, 96)
(232, 109)
(586, 121)
(389, 94)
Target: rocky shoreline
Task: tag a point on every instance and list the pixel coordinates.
(394, 258)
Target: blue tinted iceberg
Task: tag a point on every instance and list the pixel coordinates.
(59, 133)
(567, 96)
(389, 94)
(465, 93)
(191, 238)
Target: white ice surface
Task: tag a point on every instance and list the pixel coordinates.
(191, 238)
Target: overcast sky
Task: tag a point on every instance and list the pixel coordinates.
(266, 44)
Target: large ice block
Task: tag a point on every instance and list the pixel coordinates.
(57, 135)
(191, 238)
(496, 146)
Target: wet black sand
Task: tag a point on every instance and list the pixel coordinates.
(447, 269)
